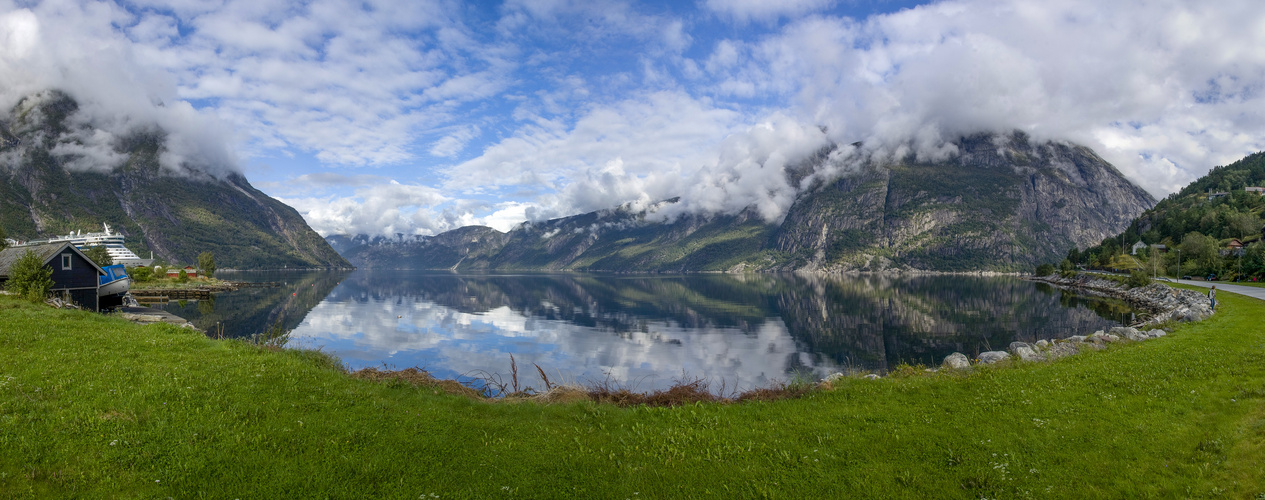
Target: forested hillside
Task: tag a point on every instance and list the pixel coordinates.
(1199, 228)
(50, 187)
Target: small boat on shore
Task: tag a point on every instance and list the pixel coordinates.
(115, 281)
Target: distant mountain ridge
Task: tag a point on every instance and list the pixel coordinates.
(1002, 203)
(174, 216)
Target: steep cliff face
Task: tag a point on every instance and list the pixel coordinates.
(47, 191)
(1002, 203)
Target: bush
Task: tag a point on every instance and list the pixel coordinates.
(30, 278)
(183, 277)
(1045, 270)
(141, 274)
(1137, 279)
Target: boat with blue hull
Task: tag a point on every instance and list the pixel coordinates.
(115, 281)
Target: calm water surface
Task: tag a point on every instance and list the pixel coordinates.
(645, 332)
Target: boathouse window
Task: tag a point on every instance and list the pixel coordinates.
(65, 262)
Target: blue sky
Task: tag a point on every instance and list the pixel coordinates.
(417, 117)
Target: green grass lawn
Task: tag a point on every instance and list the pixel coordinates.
(95, 407)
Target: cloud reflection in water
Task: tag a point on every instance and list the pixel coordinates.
(451, 343)
(646, 331)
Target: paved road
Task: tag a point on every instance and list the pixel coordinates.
(1250, 291)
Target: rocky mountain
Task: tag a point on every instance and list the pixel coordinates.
(50, 187)
(1001, 203)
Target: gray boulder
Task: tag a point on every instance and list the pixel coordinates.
(1156, 333)
(1076, 339)
(1026, 351)
(1044, 344)
(1099, 336)
(990, 357)
(1129, 333)
(872, 376)
(956, 361)
(1062, 350)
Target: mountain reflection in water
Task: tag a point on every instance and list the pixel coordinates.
(644, 332)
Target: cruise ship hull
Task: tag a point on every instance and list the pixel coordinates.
(112, 241)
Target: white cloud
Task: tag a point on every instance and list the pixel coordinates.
(1176, 83)
(450, 145)
(751, 171)
(743, 11)
(385, 207)
(656, 141)
(76, 49)
(353, 83)
(378, 209)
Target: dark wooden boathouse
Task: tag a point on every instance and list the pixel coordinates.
(74, 274)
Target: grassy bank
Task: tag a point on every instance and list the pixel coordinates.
(91, 406)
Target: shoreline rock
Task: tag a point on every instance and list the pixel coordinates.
(1163, 302)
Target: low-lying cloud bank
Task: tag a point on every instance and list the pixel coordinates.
(76, 50)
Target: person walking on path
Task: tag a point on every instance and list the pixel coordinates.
(1212, 296)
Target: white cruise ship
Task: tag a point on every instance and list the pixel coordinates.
(112, 241)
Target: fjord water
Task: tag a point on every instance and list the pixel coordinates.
(645, 332)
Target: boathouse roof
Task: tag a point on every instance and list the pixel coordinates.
(46, 252)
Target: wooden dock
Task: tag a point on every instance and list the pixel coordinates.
(173, 294)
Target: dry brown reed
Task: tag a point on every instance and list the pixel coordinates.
(417, 377)
(684, 391)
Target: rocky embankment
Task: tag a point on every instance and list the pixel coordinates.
(1045, 350)
(1164, 303)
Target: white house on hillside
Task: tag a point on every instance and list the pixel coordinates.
(1138, 246)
